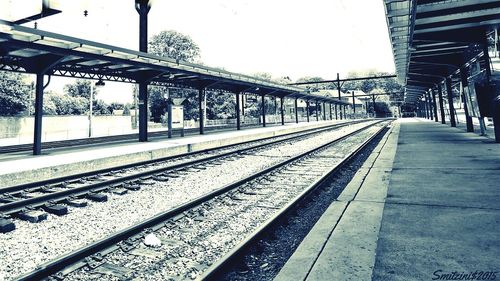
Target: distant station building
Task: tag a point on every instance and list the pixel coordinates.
(356, 107)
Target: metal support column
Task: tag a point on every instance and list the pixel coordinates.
(296, 111)
(307, 110)
(201, 109)
(450, 102)
(282, 111)
(429, 105)
(263, 110)
(324, 111)
(37, 142)
(169, 118)
(495, 101)
(243, 106)
(353, 104)
(338, 89)
(374, 112)
(434, 105)
(316, 110)
(275, 105)
(331, 116)
(336, 113)
(237, 111)
(143, 7)
(441, 104)
(143, 112)
(426, 107)
(465, 83)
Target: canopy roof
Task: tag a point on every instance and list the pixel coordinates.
(29, 50)
(431, 39)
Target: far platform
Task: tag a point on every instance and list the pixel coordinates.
(424, 206)
(21, 168)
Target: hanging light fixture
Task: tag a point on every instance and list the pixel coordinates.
(100, 83)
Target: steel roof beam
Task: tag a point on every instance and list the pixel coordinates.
(433, 7)
(457, 16)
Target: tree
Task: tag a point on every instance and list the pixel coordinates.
(175, 45)
(126, 110)
(220, 105)
(158, 102)
(312, 87)
(81, 88)
(99, 107)
(386, 85)
(57, 104)
(14, 93)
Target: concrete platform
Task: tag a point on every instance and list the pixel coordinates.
(26, 168)
(425, 206)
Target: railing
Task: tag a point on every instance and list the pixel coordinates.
(69, 134)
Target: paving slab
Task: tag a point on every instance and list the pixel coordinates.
(442, 214)
(328, 252)
(297, 268)
(348, 254)
(438, 220)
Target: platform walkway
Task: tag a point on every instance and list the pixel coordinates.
(424, 206)
(20, 168)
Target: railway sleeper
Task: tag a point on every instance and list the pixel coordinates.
(128, 245)
(161, 177)
(97, 197)
(75, 202)
(7, 198)
(6, 225)
(133, 187)
(117, 271)
(119, 191)
(33, 216)
(94, 261)
(56, 209)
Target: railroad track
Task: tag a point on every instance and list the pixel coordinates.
(33, 201)
(195, 239)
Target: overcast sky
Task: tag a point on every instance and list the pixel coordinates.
(294, 38)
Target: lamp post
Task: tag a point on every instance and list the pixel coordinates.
(90, 107)
(98, 84)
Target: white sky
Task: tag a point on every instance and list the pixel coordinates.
(294, 38)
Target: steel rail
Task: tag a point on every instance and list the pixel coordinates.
(214, 271)
(54, 266)
(56, 197)
(67, 178)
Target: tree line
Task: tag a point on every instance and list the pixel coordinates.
(17, 98)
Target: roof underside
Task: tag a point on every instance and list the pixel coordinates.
(24, 49)
(432, 39)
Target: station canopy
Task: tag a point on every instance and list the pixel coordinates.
(431, 39)
(24, 49)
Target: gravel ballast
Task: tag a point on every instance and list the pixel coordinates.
(33, 244)
(194, 243)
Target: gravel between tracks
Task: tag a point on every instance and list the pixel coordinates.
(33, 244)
(263, 260)
(192, 244)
